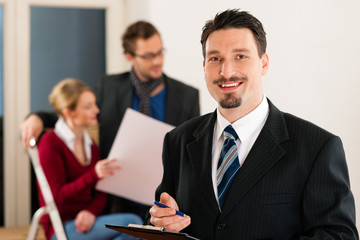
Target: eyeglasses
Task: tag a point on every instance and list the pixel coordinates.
(151, 56)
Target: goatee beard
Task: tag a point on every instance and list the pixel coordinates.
(230, 101)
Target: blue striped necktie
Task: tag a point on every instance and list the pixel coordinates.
(228, 163)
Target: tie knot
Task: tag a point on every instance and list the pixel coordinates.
(229, 132)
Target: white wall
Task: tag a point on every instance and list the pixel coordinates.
(314, 58)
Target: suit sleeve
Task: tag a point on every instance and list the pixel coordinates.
(328, 209)
(48, 118)
(167, 181)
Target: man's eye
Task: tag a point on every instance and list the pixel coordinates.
(241, 57)
(214, 59)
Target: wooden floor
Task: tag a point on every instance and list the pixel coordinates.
(18, 233)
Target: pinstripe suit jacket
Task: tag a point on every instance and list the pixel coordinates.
(294, 183)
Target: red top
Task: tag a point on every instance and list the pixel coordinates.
(72, 185)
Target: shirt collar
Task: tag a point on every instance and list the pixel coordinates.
(63, 131)
(246, 125)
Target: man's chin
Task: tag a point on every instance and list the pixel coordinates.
(230, 102)
(229, 106)
(156, 76)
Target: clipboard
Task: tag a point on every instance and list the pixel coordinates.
(149, 232)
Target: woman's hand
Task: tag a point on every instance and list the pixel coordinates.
(104, 168)
(84, 221)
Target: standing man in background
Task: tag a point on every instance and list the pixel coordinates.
(145, 88)
(248, 170)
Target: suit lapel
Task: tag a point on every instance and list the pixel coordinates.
(170, 113)
(200, 152)
(264, 154)
(124, 97)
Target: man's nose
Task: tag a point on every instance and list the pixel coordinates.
(228, 69)
(157, 59)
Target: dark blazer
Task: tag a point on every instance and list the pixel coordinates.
(294, 183)
(115, 94)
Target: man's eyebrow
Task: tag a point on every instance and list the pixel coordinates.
(241, 50)
(236, 50)
(212, 52)
(162, 49)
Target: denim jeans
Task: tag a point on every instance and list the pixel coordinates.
(99, 231)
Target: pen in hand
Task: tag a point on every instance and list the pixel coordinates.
(164, 206)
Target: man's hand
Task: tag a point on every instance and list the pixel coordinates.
(84, 221)
(104, 168)
(31, 127)
(167, 217)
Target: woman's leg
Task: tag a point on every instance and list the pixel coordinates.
(98, 231)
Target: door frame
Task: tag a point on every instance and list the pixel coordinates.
(17, 89)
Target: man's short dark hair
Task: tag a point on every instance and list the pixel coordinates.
(139, 29)
(234, 18)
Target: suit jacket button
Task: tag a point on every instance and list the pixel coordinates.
(221, 226)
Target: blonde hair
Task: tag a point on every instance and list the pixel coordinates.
(66, 94)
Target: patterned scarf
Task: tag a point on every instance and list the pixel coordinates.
(143, 90)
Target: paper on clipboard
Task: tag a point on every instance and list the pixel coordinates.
(137, 147)
(148, 232)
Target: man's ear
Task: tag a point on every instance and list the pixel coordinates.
(129, 57)
(265, 64)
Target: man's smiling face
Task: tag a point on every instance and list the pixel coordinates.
(233, 68)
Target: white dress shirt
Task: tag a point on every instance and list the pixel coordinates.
(63, 131)
(247, 128)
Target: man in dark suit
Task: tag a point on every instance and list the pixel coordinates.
(285, 178)
(145, 88)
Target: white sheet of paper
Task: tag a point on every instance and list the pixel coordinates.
(138, 149)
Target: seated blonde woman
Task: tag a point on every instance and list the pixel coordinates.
(70, 160)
